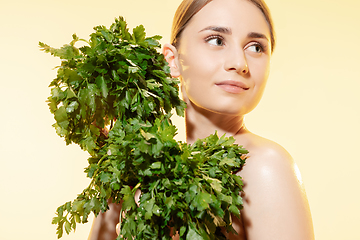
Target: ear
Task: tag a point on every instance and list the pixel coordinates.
(172, 57)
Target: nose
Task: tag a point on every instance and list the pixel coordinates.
(235, 60)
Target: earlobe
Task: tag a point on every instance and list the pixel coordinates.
(171, 56)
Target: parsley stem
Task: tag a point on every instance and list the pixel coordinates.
(120, 220)
(136, 187)
(122, 211)
(85, 41)
(96, 172)
(102, 159)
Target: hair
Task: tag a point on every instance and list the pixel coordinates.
(188, 8)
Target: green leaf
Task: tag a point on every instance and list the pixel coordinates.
(155, 165)
(156, 210)
(227, 161)
(94, 205)
(238, 180)
(70, 94)
(128, 199)
(216, 185)
(88, 144)
(71, 76)
(107, 35)
(147, 135)
(234, 210)
(61, 117)
(67, 227)
(59, 229)
(182, 230)
(149, 208)
(105, 177)
(101, 84)
(152, 42)
(67, 52)
(139, 34)
(201, 201)
(72, 107)
(114, 98)
(225, 198)
(237, 199)
(77, 206)
(193, 234)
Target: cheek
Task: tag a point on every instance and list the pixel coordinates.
(257, 78)
(196, 82)
(259, 71)
(197, 70)
(195, 58)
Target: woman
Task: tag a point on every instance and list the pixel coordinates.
(221, 52)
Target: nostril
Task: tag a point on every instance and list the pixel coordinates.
(245, 69)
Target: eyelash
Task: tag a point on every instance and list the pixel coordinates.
(211, 37)
(219, 37)
(262, 48)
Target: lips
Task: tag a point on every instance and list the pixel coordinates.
(232, 86)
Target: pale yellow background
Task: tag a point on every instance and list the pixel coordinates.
(311, 106)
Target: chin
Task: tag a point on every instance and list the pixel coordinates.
(223, 106)
(228, 110)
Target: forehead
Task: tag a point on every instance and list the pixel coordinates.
(242, 16)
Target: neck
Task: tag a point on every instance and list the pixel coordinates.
(201, 123)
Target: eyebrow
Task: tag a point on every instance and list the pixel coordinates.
(257, 35)
(227, 30)
(224, 30)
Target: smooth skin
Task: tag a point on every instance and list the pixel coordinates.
(223, 62)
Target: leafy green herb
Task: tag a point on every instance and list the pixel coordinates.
(114, 97)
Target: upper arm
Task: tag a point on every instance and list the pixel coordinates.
(275, 203)
(104, 225)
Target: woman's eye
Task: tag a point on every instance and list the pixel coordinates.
(217, 41)
(256, 48)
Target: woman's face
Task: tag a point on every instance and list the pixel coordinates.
(224, 57)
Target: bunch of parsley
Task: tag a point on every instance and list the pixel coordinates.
(114, 97)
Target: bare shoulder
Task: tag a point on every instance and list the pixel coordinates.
(265, 157)
(259, 145)
(275, 202)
